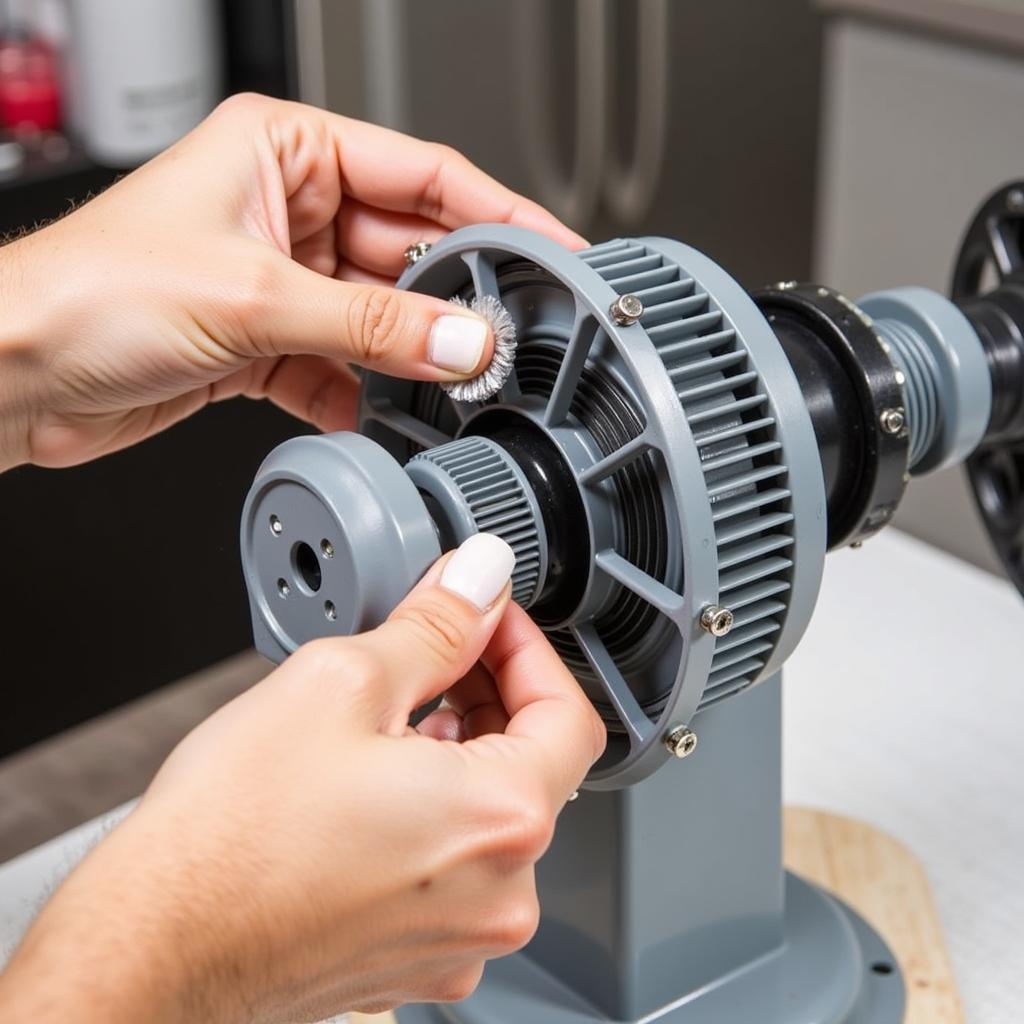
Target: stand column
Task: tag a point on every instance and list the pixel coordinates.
(666, 886)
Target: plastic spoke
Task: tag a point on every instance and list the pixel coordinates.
(463, 410)
(615, 460)
(645, 586)
(637, 724)
(1004, 246)
(481, 269)
(385, 412)
(581, 339)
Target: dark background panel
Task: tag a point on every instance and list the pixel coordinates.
(122, 575)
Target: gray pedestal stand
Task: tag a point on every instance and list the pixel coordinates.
(667, 902)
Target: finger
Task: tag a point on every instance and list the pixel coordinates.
(377, 239)
(318, 390)
(443, 724)
(438, 632)
(477, 701)
(553, 731)
(402, 333)
(346, 270)
(391, 171)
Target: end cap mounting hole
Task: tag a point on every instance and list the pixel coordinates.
(881, 967)
(330, 611)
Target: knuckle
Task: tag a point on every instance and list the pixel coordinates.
(437, 627)
(457, 985)
(527, 832)
(255, 294)
(514, 928)
(242, 103)
(374, 319)
(332, 662)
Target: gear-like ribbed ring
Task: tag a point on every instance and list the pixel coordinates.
(478, 488)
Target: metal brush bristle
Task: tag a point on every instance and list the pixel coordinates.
(493, 378)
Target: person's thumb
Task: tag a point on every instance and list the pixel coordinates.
(401, 333)
(436, 635)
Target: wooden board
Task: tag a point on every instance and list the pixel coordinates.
(885, 884)
(882, 880)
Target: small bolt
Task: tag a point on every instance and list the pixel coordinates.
(416, 252)
(681, 742)
(717, 620)
(892, 420)
(1015, 200)
(823, 293)
(626, 310)
(857, 545)
(276, 526)
(574, 795)
(327, 548)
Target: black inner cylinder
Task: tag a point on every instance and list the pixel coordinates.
(836, 414)
(998, 317)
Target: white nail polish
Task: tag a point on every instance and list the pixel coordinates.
(457, 342)
(479, 569)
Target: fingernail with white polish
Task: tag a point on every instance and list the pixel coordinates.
(479, 569)
(457, 342)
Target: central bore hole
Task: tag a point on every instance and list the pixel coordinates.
(307, 566)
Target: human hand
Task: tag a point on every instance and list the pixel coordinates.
(251, 258)
(304, 851)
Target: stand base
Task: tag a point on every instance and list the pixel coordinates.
(872, 872)
(832, 969)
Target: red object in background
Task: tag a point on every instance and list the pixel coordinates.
(29, 86)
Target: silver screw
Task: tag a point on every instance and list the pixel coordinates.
(1015, 200)
(857, 545)
(327, 548)
(626, 310)
(717, 620)
(276, 526)
(416, 252)
(574, 795)
(681, 742)
(892, 420)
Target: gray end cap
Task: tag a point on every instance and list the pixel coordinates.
(333, 536)
(964, 381)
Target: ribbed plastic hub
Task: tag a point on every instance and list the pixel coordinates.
(741, 455)
(474, 486)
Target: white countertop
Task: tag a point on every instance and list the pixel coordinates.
(903, 707)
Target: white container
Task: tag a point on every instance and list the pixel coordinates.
(141, 73)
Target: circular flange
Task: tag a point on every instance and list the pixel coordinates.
(698, 399)
(875, 474)
(988, 285)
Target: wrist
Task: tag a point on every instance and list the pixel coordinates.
(117, 942)
(22, 357)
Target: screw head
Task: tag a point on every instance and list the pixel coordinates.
(717, 620)
(574, 796)
(1015, 200)
(681, 741)
(626, 310)
(416, 252)
(892, 420)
